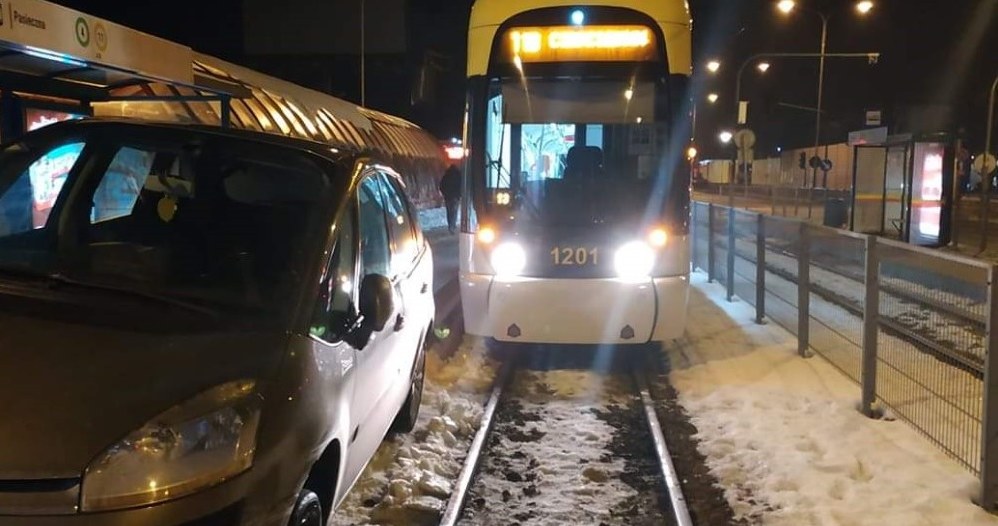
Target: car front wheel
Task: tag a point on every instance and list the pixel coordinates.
(406, 418)
(307, 511)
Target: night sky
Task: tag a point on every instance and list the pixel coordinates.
(938, 59)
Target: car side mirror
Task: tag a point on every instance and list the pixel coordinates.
(376, 301)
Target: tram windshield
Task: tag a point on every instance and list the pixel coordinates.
(574, 151)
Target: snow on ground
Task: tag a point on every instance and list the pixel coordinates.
(433, 218)
(552, 460)
(942, 400)
(784, 438)
(410, 477)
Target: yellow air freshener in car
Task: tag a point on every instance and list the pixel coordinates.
(167, 208)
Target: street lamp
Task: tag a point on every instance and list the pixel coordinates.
(712, 98)
(725, 136)
(763, 67)
(786, 6)
(713, 66)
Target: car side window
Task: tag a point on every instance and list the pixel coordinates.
(398, 215)
(374, 242)
(25, 205)
(335, 312)
(401, 224)
(122, 184)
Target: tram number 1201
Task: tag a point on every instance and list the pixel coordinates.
(575, 256)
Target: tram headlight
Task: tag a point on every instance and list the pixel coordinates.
(509, 259)
(634, 260)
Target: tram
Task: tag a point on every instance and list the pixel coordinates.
(576, 216)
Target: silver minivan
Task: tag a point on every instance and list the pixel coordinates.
(200, 326)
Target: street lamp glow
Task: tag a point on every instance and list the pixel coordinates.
(786, 6)
(864, 7)
(713, 66)
(763, 67)
(712, 98)
(691, 153)
(629, 94)
(725, 136)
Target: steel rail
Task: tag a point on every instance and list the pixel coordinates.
(680, 509)
(455, 505)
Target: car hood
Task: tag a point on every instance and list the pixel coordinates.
(68, 392)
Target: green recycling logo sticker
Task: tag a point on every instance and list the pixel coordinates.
(82, 31)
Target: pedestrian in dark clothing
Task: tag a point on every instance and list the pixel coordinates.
(450, 188)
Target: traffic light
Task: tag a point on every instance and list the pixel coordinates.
(802, 162)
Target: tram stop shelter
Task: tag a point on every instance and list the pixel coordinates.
(57, 64)
(902, 186)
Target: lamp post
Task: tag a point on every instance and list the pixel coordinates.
(363, 57)
(787, 6)
(872, 56)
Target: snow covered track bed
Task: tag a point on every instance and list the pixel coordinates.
(570, 445)
(411, 477)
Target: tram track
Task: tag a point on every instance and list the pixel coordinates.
(569, 445)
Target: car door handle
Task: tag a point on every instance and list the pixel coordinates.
(399, 323)
(425, 288)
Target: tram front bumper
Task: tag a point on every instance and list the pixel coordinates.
(575, 311)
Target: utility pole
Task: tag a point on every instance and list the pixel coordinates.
(363, 57)
(821, 88)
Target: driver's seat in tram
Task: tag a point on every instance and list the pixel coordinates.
(583, 163)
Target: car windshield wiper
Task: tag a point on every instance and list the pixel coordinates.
(63, 280)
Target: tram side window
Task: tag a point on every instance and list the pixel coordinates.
(335, 311)
(497, 151)
(375, 247)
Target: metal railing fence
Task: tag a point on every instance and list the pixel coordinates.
(913, 327)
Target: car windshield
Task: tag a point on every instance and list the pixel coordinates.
(215, 222)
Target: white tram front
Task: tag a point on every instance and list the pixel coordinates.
(576, 229)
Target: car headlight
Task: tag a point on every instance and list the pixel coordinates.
(508, 259)
(634, 260)
(194, 445)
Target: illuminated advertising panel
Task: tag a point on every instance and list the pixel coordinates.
(580, 44)
(927, 199)
(35, 118)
